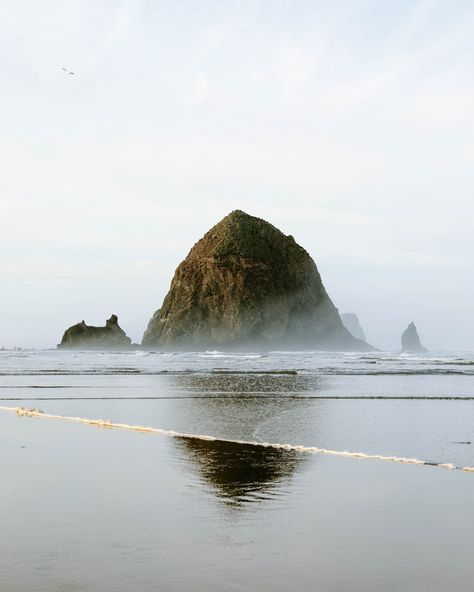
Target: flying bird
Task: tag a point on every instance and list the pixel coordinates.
(67, 71)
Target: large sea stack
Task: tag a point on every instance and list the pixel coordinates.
(411, 340)
(246, 285)
(82, 336)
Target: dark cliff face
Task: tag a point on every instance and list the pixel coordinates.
(82, 336)
(410, 340)
(246, 284)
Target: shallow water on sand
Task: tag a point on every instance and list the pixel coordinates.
(89, 509)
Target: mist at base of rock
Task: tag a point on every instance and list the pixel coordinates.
(411, 340)
(83, 336)
(351, 322)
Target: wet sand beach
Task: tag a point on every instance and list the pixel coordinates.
(93, 508)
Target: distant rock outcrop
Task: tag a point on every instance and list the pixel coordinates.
(82, 336)
(410, 340)
(245, 285)
(351, 323)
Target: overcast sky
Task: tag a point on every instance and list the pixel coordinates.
(348, 124)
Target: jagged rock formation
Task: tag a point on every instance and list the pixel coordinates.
(351, 323)
(245, 285)
(410, 340)
(82, 336)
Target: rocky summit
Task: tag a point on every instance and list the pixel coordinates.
(411, 340)
(245, 285)
(82, 336)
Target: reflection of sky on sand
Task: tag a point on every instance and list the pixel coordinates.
(88, 509)
(240, 415)
(239, 474)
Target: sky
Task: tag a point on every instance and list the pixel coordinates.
(348, 124)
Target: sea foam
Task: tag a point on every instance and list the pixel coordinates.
(103, 423)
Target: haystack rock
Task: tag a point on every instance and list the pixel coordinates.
(352, 324)
(247, 285)
(82, 336)
(411, 341)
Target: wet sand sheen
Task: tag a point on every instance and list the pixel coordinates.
(113, 510)
(106, 424)
(227, 503)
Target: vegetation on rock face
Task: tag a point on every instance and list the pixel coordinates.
(241, 235)
(246, 283)
(83, 336)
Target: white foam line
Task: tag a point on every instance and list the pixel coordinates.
(103, 423)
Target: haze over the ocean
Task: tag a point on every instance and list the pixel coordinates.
(346, 124)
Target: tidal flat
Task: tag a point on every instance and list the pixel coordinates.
(85, 508)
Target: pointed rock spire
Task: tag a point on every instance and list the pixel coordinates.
(351, 322)
(410, 340)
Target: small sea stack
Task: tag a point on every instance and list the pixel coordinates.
(247, 285)
(411, 340)
(83, 336)
(351, 322)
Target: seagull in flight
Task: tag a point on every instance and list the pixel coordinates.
(67, 71)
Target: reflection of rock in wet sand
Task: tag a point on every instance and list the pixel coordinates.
(243, 383)
(233, 472)
(240, 473)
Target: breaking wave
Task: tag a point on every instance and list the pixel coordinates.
(468, 370)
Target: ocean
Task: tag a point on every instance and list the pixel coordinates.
(281, 471)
